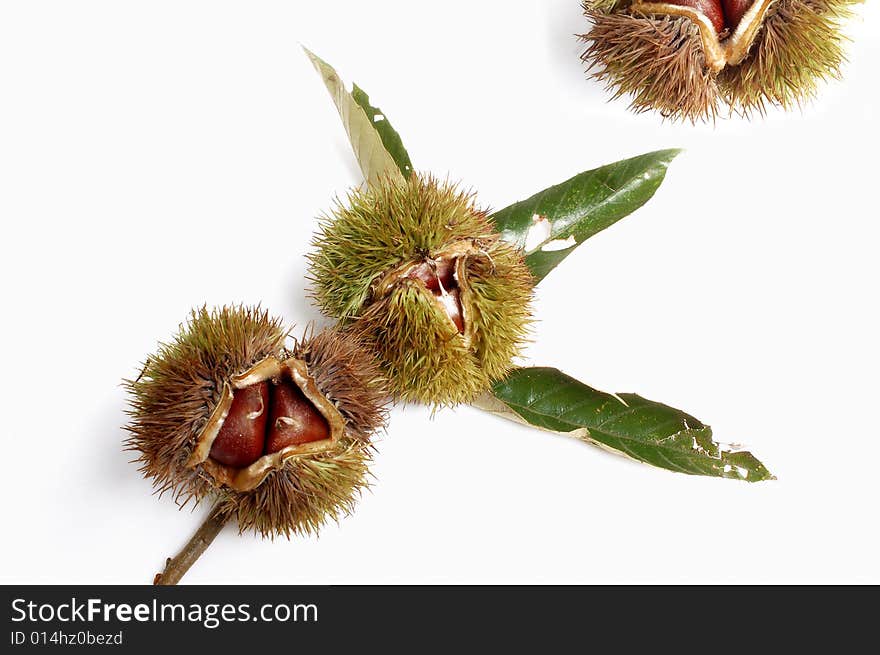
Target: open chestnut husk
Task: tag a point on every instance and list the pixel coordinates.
(276, 433)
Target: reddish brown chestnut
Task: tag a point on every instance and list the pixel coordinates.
(265, 418)
(295, 420)
(241, 439)
(734, 10)
(266, 415)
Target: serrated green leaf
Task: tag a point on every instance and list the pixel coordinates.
(628, 424)
(372, 156)
(566, 215)
(390, 138)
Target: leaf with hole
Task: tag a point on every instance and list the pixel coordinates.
(553, 222)
(625, 423)
(390, 138)
(369, 148)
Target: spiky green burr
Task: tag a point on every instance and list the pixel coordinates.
(416, 269)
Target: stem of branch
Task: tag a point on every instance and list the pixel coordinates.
(176, 567)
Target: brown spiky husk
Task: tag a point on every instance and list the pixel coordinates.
(309, 490)
(348, 375)
(659, 61)
(800, 45)
(606, 6)
(300, 497)
(180, 386)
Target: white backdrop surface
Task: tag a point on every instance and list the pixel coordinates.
(158, 156)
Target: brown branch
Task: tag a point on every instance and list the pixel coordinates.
(176, 567)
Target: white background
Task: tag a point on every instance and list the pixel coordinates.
(155, 156)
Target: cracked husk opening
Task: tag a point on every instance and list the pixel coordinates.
(721, 49)
(249, 477)
(443, 279)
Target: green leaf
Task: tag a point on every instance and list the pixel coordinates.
(372, 156)
(628, 424)
(564, 216)
(390, 138)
